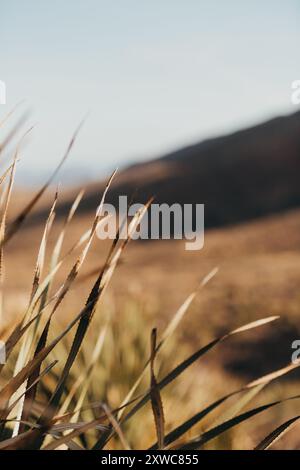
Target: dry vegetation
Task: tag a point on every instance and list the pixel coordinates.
(86, 367)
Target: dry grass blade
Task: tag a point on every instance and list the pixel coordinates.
(187, 425)
(114, 257)
(70, 426)
(30, 335)
(170, 329)
(185, 364)
(13, 132)
(84, 378)
(184, 307)
(42, 250)
(93, 272)
(251, 325)
(76, 267)
(85, 320)
(194, 357)
(54, 268)
(12, 386)
(273, 375)
(255, 385)
(36, 290)
(92, 406)
(79, 336)
(57, 249)
(32, 386)
(156, 402)
(82, 429)
(10, 113)
(113, 421)
(25, 441)
(190, 360)
(277, 434)
(238, 406)
(207, 436)
(16, 336)
(16, 224)
(254, 388)
(36, 381)
(90, 235)
(99, 286)
(59, 243)
(6, 172)
(7, 199)
(3, 225)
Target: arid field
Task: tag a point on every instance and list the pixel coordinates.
(258, 274)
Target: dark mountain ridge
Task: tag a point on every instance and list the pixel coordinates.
(244, 175)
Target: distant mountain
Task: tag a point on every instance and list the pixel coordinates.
(240, 176)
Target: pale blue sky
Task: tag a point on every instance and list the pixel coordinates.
(154, 75)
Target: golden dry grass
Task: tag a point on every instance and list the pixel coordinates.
(258, 277)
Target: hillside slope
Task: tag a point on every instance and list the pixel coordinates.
(241, 176)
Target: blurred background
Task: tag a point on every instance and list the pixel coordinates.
(153, 76)
(193, 102)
